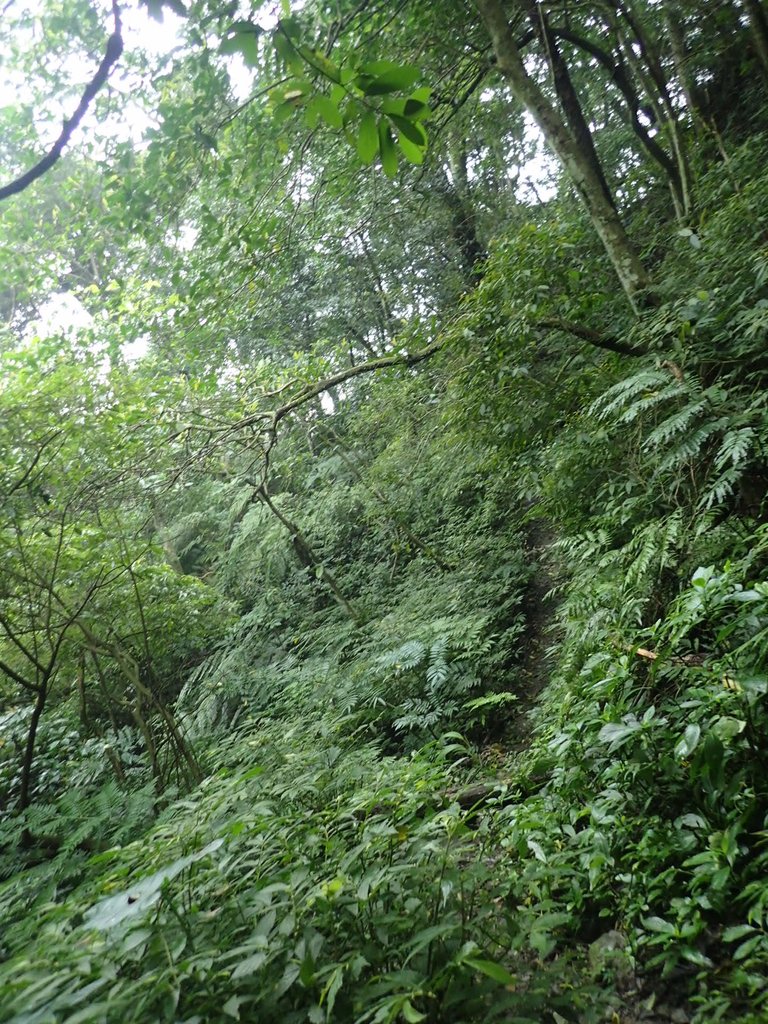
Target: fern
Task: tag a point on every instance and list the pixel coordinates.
(618, 397)
(674, 425)
(437, 668)
(736, 447)
(688, 447)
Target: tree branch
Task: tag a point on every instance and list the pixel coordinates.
(111, 56)
(6, 669)
(312, 390)
(593, 337)
(30, 469)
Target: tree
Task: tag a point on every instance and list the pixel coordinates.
(576, 155)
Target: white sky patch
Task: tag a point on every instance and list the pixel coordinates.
(141, 31)
(61, 313)
(135, 350)
(184, 237)
(538, 176)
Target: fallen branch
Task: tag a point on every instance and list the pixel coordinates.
(687, 660)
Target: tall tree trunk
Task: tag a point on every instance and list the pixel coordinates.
(614, 64)
(25, 796)
(566, 93)
(650, 71)
(679, 50)
(454, 188)
(629, 269)
(758, 27)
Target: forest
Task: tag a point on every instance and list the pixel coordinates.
(383, 514)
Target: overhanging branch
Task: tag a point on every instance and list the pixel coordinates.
(591, 336)
(111, 56)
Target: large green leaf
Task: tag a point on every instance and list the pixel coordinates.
(367, 138)
(143, 894)
(243, 37)
(325, 108)
(413, 132)
(493, 970)
(387, 149)
(396, 78)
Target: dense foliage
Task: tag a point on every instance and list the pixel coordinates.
(383, 521)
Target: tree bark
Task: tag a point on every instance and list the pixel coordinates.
(566, 93)
(463, 220)
(632, 275)
(758, 27)
(615, 67)
(112, 55)
(25, 797)
(680, 57)
(650, 71)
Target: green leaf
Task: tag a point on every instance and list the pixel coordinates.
(387, 150)
(323, 64)
(726, 728)
(327, 110)
(688, 741)
(331, 990)
(379, 67)
(367, 138)
(232, 1006)
(413, 132)
(249, 966)
(415, 109)
(286, 51)
(283, 111)
(143, 894)
(393, 105)
(411, 1014)
(537, 850)
(492, 970)
(658, 924)
(747, 947)
(338, 94)
(398, 78)
(243, 38)
(695, 956)
(738, 931)
(413, 154)
(616, 733)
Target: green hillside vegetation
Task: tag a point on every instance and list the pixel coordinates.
(383, 518)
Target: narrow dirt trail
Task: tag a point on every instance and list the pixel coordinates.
(540, 608)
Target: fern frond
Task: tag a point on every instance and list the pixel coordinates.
(689, 447)
(618, 396)
(674, 425)
(735, 447)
